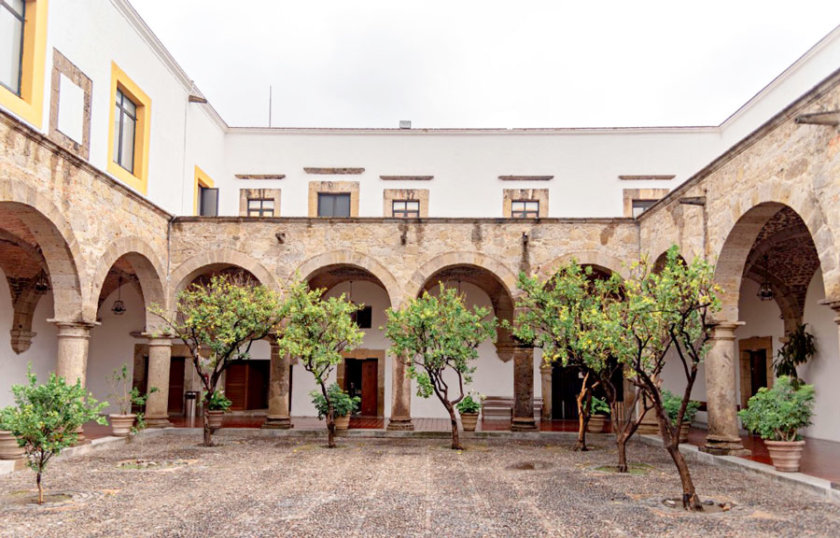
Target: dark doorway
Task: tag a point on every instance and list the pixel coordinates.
(246, 385)
(176, 386)
(565, 387)
(758, 370)
(361, 379)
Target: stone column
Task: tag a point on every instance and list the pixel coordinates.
(721, 375)
(157, 406)
(400, 396)
(545, 381)
(72, 354)
(523, 389)
(278, 391)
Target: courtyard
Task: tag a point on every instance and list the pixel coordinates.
(256, 483)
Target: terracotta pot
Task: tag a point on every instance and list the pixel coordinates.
(684, 432)
(342, 423)
(121, 424)
(596, 423)
(9, 449)
(214, 417)
(786, 455)
(468, 421)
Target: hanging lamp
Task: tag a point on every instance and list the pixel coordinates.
(119, 306)
(765, 290)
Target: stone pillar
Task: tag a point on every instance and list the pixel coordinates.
(278, 391)
(523, 389)
(157, 406)
(400, 396)
(545, 380)
(721, 376)
(72, 353)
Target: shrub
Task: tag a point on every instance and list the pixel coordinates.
(599, 406)
(343, 404)
(671, 402)
(777, 414)
(470, 404)
(218, 402)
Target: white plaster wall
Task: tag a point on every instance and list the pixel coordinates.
(823, 371)
(111, 344)
(41, 354)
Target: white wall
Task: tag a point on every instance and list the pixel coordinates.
(41, 354)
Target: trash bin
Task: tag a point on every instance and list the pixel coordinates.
(190, 398)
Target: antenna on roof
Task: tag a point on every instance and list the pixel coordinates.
(269, 105)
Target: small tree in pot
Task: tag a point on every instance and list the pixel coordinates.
(469, 409)
(798, 350)
(776, 415)
(125, 398)
(599, 411)
(217, 405)
(342, 403)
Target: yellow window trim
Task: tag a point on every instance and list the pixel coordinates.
(29, 105)
(139, 179)
(201, 180)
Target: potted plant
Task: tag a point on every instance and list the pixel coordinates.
(217, 406)
(469, 409)
(671, 403)
(343, 405)
(125, 397)
(798, 350)
(599, 410)
(776, 415)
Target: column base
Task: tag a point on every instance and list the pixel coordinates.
(158, 422)
(277, 423)
(400, 424)
(719, 445)
(520, 424)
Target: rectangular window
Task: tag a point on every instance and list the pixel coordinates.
(260, 207)
(12, 19)
(405, 209)
(208, 201)
(525, 209)
(640, 206)
(363, 317)
(333, 205)
(125, 129)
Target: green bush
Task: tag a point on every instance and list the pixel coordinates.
(777, 414)
(470, 404)
(45, 419)
(599, 406)
(218, 402)
(671, 403)
(342, 403)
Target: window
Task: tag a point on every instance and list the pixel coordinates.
(405, 209)
(333, 205)
(525, 209)
(260, 207)
(125, 129)
(23, 53)
(640, 206)
(208, 201)
(363, 317)
(129, 132)
(12, 17)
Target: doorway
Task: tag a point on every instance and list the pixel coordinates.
(362, 374)
(756, 365)
(246, 385)
(565, 386)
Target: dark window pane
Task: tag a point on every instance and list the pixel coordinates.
(11, 44)
(525, 209)
(363, 317)
(640, 206)
(208, 202)
(333, 205)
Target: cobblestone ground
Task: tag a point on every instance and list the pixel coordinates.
(254, 485)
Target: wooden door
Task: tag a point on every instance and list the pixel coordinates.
(236, 386)
(756, 369)
(258, 372)
(370, 387)
(176, 385)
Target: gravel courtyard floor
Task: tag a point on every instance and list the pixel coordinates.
(257, 485)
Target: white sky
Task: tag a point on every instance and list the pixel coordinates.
(371, 63)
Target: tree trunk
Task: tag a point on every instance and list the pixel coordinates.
(621, 445)
(583, 415)
(208, 433)
(671, 439)
(456, 441)
(40, 490)
(331, 428)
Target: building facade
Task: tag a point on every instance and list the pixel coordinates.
(120, 185)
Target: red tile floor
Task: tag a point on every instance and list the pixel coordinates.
(820, 458)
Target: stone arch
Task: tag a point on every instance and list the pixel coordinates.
(353, 259)
(193, 267)
(499, 270)
(738, 243)
(56, 240)
(147, 266)
(596, 258)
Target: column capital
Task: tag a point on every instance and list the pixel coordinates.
(73, 329)
(725, 329)
(158, 340)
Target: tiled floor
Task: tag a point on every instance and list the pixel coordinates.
(820, 458)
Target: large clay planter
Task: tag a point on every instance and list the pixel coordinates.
(342, 423)
(468, 421)
(786, 455)
(121, 424)
(214, 417)
(596, 423)
(9, 449)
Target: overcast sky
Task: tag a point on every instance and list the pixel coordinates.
(360, 63)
